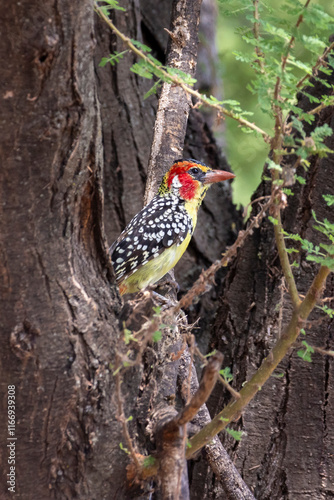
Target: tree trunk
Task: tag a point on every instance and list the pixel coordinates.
(59, 309)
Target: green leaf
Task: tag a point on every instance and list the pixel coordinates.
(113, 58)
(273, 220)
(327, 310)
(141, 68)
(141, 46)
(124, 449)
(237, 435)
(306, 353)
(153, 90)
(185, 77)
(329, 199)
(226, 374)
(292, 250)
(112, 4)
(149, 461)
(127, 336)
(157, 336)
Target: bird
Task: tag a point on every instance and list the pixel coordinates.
(157, 237)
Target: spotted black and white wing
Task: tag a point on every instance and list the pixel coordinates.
(159, 225)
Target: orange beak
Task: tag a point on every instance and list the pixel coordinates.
(216, 176)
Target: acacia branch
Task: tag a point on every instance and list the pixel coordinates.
(177, 81)
(284, 259)
(256, 31)
(276, 145)
(320, 62)
(292, 39)
(250, 389)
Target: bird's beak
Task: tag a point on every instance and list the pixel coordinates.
(217, 175)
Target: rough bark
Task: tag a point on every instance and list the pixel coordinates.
(58, 314)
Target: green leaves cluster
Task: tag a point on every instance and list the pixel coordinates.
(111, 4)
(226, 374)
(271, 42)
(322, 253)
(304, 146)
(307, 352)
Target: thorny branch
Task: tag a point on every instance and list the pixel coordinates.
(209, 377)
(227, 386)
(206, 278)
(257, 35)
(292, 39)
(267, 367)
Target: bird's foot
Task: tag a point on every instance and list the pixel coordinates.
(164, 302)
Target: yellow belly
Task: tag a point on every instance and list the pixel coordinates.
(155, 269)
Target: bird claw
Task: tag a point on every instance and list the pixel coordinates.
(165, 301)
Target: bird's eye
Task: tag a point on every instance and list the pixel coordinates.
(195, 170)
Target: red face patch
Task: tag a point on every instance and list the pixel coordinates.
(177, 169)
(189, 185)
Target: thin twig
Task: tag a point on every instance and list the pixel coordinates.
(284, 259)
(256, 30)
(221, 379)
(292, 39)
(206, 278)
(244, 213)
(323, 351)
(319, 108)
(320, 62)
(121, 417)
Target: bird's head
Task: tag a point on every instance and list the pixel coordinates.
(189, 180)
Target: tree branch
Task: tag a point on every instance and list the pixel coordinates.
(170, 433)
(249, 390)
(177, 81)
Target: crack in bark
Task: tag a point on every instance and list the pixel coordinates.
(44, 274)
(47, 421)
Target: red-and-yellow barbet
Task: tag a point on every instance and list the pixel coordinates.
(156, 238)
